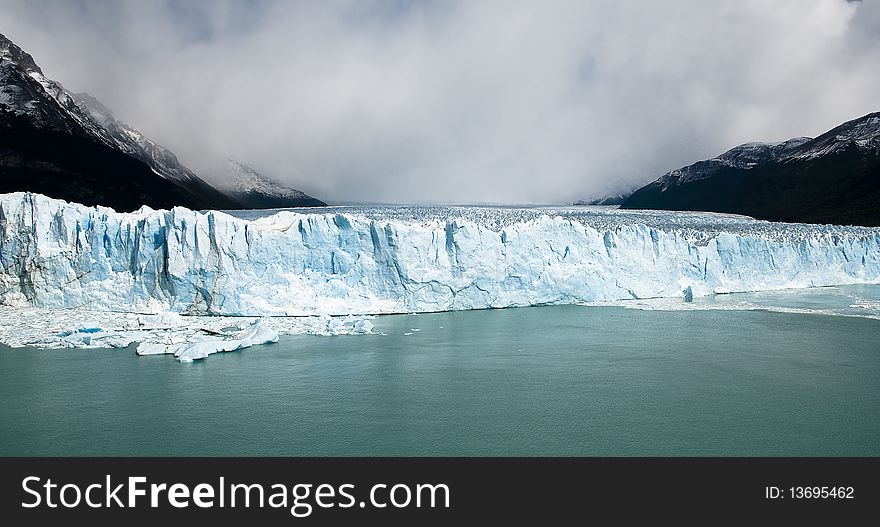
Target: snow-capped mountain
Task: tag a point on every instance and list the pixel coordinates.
(605, 199)
(745, 156)
(134, 143)
(862, 135)
(27, 92)
(253, 190)
(834, 178)
(73, 148)
(68, 146)
(616, 199)
(614, 194)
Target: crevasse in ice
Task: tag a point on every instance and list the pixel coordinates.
(356, 261)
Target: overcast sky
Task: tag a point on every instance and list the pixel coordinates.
(470, 101)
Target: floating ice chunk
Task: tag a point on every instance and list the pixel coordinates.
(200, 350)
(258, 334)
(77, 340)
(363, 326)
(153, 348)
(55, 328)
(688, 294)
(253, 335)
(96, 338)
(117, 340)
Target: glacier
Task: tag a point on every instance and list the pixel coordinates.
(350, 260)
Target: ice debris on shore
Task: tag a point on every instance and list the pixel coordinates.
(185, 337)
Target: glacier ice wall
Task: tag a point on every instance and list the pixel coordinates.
(56, 254)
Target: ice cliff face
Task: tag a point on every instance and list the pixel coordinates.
(56, 254)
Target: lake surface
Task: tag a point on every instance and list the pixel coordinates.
(565, 380)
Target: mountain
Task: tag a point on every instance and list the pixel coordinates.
(160, 159)
(254, 191)
(70, 147)
(614, 194)
(615, 199)
(834, 178)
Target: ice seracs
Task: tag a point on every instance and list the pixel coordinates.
(191, 284)
(400, 260)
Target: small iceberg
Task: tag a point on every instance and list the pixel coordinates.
(254, 335)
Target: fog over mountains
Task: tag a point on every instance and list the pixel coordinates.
(460, 101)
(71, 146)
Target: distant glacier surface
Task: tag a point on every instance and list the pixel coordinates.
(373, 260)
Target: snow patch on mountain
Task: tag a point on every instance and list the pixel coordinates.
(604, 199)
(253, 190)
(745, 156)
(862, 133)
(239, 178)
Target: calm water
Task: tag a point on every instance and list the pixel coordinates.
(536, 381)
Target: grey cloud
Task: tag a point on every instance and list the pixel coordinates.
(460, 101)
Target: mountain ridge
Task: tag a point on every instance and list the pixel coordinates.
(832, 178)
(255, 190)
(51, 143)
(62, 144)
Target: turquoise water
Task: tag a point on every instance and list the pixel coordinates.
(534, 381)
